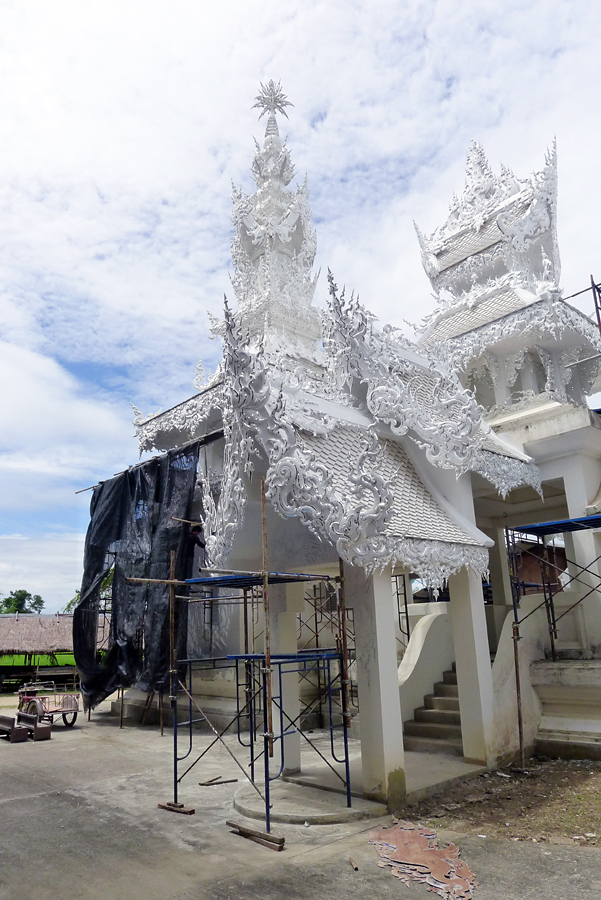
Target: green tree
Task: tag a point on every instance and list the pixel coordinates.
(72, 602)
(21, 602)
(106, 594)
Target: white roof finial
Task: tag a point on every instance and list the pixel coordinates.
(271, 99)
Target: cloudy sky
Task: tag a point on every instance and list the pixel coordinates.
(122, 125)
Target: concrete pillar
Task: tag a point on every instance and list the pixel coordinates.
(556, 372)
(501, 388)
(382, 756)
(528, 375)
(284, 605)
(472, 659)
(581, 476)
(501, 586)
(500, 578)
(470, 639)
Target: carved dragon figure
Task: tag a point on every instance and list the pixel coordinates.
(405, 391)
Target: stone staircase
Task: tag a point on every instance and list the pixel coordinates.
(569, 692)
(436, 726)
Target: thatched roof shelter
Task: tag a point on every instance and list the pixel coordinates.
(28, 633)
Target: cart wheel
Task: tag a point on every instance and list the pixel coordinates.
(69, 719)
(35, 708)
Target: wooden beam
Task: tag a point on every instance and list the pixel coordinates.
(263, 837)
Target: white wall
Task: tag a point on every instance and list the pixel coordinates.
(429, 653)
(534, 636)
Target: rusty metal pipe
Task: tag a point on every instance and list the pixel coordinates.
(518, 687)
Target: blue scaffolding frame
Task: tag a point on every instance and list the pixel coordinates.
(255, 696)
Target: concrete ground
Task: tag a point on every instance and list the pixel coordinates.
(79, 819)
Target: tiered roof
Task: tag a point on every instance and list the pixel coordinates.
(494, 266)
(346, 435)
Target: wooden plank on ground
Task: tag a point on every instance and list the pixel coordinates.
(262, 837)
(178, 808)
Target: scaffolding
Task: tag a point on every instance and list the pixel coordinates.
(261, 722)
(399, 589)
(576, 574)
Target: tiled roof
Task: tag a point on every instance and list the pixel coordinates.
(470, 318)
(457, 247)
(416, 514)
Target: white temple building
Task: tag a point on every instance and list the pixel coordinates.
(406, 458)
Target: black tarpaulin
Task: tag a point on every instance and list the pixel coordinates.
(132, 527)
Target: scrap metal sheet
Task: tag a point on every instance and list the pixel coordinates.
(413, 853)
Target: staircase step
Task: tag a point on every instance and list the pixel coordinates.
(439, 716)
(449, 677)
(432, 729)
(433, 702)
(445, 690)
(568, 744)
(432, 745)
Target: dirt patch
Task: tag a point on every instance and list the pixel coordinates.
(557, 801)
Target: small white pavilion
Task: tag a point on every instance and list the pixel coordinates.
(400, 457)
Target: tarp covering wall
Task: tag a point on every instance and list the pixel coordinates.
(132, 527)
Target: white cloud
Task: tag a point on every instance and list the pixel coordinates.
(56, 429)
(48, 565)
(121, 125)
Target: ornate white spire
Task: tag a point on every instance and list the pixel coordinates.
(274, 245)
(500, 233)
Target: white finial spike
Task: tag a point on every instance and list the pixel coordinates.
(271, 99)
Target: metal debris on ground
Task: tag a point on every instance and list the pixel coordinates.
(412, 852)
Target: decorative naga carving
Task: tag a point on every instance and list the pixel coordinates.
(507, 473)
(356, 523)
(186, 420)
(404, 390)
(302, 486)
(245, 394)
(222, 518)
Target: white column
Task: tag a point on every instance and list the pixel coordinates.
(472, 660)
(470, 640)
(382, 756)
(283, 605)
(500, 386)
(500, 578)
(500, 583)
(581, 476)
(528, 375)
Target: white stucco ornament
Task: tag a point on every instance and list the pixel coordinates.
(500, 231)
(274, 244)
(500, 322)
(343, 420)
